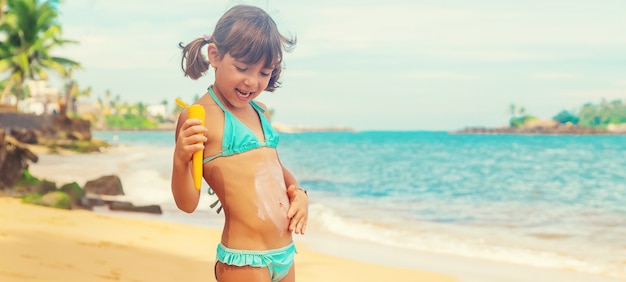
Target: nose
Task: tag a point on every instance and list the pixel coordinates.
(251, 80)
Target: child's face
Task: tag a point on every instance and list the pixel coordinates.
(238, 82)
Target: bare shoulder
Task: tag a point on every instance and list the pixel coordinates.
(214, 117)
(264, 107)
(211, 110)
(261, 104)
(210, 107)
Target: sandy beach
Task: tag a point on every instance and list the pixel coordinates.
(45, 244)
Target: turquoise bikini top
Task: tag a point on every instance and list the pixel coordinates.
(238, 138)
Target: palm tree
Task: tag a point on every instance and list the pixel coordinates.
(31, 31)
(74, 92)
(3, 4)
(512, 110)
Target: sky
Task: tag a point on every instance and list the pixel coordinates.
(372, 65)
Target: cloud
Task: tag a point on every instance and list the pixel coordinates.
(490, 51)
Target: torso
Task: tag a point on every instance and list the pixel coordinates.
(250, 186)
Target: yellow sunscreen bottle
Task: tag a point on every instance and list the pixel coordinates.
(195, 111)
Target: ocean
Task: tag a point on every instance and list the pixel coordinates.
(538, 200)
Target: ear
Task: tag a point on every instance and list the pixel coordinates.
(214, 55)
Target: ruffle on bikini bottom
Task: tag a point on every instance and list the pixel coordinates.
(256, 258)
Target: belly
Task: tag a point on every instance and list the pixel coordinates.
(252, 189)
(271, 200)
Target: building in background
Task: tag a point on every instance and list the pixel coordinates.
(42, 100)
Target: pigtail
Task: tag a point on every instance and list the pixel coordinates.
(248, 34)
(193, 63)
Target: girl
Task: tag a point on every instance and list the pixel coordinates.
(262, 201)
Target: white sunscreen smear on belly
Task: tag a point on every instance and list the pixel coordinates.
(272, 201)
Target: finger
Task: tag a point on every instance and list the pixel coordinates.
(291, 191)
(303, 226)
(292, 225)
(193, 135)
(291, 212)
(195, 139)
(196, 130)
(299, 227)
(193, 121)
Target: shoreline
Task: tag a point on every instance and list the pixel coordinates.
(354, 251)
(46, 244)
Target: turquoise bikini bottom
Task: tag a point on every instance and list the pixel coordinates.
(277, 261)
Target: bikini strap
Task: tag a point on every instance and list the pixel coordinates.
(257, 107)
(217, 101)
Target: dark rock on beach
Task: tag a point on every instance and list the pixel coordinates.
(106, 185)
(18, 131)
(125, 206)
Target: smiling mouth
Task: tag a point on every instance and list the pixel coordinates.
(243, 93)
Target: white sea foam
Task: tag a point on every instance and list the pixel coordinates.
(471, 242)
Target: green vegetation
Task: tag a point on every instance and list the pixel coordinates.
(521, 120)
(518, 116)
(589, 115)
(130, 121)
(603, 114)
(29, 30)
(31, 198)
(27, 179)
(54, 199)
(122, 115)
(48, 196)
(85, 146)
(564, 117)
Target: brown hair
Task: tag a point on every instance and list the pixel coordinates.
(248, 34)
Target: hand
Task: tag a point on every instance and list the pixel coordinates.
(298, 212)
(188, 138)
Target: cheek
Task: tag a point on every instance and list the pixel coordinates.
(265, 81)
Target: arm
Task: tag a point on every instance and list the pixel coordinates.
(185, 195)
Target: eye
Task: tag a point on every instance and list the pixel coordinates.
(266, 73)
(242, 69)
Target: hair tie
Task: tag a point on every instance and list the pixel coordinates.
(207, 38)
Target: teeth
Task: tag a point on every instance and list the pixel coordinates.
(244, 94)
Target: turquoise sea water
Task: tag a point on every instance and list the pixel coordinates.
(549, 201)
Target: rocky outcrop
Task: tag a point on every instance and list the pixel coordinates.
(14, 159)
(109, 185)
(126, 206)
(18, 129)
(45, 127)
(16, 181)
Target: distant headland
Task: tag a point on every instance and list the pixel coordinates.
(547, 127)
(595, 119)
